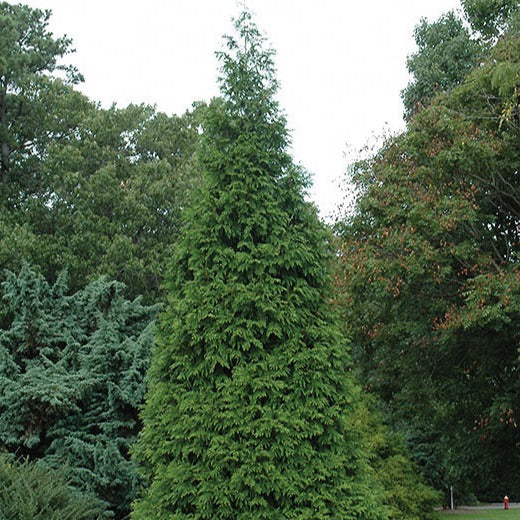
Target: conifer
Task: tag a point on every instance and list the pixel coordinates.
(247, 413)
(72, 370)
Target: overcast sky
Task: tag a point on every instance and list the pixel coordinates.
(341, 63)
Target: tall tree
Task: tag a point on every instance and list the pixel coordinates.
(109, 198)
(116, 191)
(430, 278)
(449, 48)
(248, 413)
(29, 64)
(96, 191)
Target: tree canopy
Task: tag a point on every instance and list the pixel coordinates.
(96, 191)
(429, 278)
(29, 87)
(446, 53)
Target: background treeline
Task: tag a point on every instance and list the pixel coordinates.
(95, 191)
(90, 201)
(426, 276)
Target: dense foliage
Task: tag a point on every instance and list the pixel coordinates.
(405, 494)
(29, 89)
(72, 380)
(248, 414)
(430, 281)
(490, 18)
(445, 53)
(95, 191)
(252, 408)
(36, 492)
(109, 199)
(450, 47)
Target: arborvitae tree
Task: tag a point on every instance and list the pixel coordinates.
(248, 410)
(72, 380)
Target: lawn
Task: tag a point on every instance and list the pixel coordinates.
(490, 514)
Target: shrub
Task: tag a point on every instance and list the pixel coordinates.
(33, 491)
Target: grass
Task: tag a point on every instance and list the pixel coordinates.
(491, 514)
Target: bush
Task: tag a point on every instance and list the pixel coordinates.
(72, 370)
(406, 495)
(36, 492)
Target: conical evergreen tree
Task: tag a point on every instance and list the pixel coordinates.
(247, 415)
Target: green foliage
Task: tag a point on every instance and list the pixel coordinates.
(109, 199)
(406, 495)
(29, 89)
(489, 17)
(446, 53)
(429, 279)
(72, 379)
(36, 492)
(95, 191)
(248, 410)
(448, 50)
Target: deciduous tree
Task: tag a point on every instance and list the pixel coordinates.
(29, 87)
(446, 53)
(429, 274)
(96, 191)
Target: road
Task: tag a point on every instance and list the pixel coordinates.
(472, 509)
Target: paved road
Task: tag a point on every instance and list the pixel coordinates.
(496, 505)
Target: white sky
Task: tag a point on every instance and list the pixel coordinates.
(341, 63)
